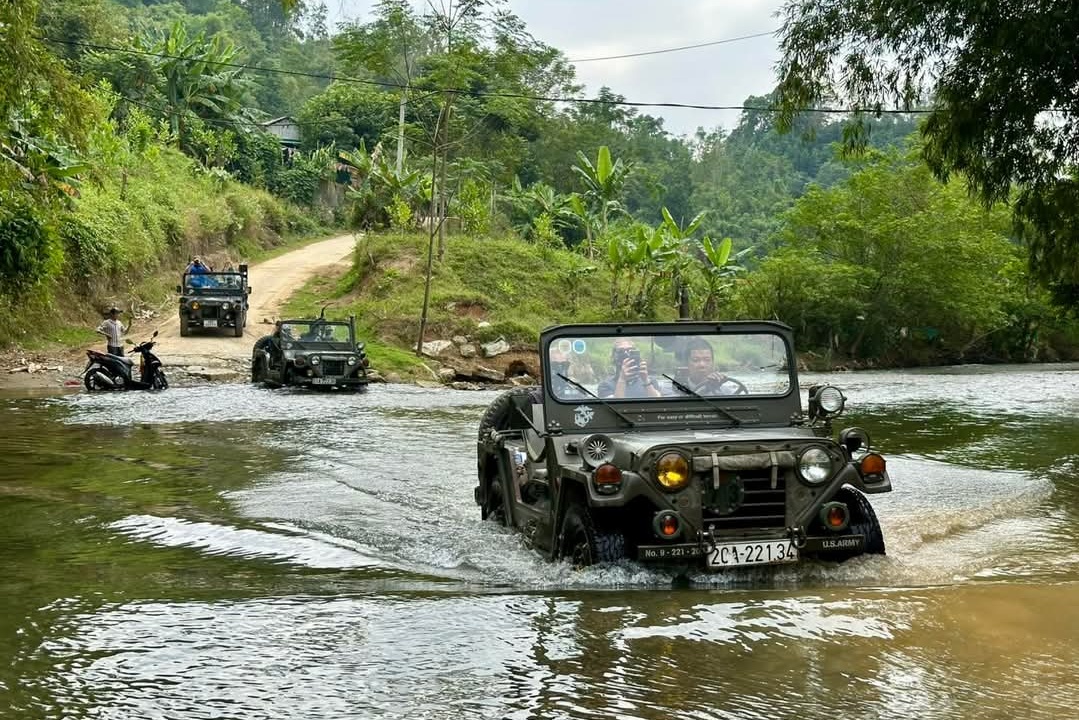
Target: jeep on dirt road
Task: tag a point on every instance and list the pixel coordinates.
(679, 443)
(212, 300)
(315, 353)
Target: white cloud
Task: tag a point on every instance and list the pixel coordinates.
(719, 75)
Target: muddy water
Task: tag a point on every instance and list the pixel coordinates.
(231, 552)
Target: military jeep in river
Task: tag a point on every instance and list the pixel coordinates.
(679, 443)
(213, 300)
(315, 353)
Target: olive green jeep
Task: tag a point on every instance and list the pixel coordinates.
(681, 443)
(319, 354)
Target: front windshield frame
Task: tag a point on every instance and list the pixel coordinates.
(736, 349)
(293, 331)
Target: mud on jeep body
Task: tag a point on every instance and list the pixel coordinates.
(677, 443)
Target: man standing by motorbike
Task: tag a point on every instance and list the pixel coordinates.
(114, 331)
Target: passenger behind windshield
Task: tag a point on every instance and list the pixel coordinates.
(629, 378)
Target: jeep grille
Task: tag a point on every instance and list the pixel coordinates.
(210, 311)
(333, 367)
(760, 507)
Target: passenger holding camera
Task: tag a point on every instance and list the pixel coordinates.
(630, 378)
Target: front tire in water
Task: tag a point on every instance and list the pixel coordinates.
(582, 544)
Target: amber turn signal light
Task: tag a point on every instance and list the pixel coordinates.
(835, 516)
(873, 464)
(667, 525)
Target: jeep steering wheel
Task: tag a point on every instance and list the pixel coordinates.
(712, 387)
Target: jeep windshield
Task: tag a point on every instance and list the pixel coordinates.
(660, 367)
(336, 336)
(213, 283)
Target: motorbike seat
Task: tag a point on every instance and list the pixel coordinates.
(124, 360)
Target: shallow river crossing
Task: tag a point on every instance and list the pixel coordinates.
(233, 552)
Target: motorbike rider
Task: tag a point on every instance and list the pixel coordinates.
(113, 330)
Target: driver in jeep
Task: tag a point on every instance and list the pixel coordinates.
(703, 378)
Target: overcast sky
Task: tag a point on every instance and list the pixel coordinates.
(720, 75)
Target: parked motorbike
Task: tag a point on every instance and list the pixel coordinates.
(114, 372)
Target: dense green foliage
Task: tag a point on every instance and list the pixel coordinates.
(442, 121)
(1000, 79)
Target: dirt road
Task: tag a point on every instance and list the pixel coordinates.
(272, 283)
(199, 357)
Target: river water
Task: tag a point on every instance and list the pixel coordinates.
(233, 552)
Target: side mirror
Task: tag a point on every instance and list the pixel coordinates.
(154, 335)
(248, 290)
(180, 289)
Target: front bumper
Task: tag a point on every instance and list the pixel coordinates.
(697, 553)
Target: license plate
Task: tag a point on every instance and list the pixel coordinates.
(209, 323)
(323, 381)
(752, 553)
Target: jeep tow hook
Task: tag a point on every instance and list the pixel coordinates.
(798, 536)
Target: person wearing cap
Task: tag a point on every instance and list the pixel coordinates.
(113, 330)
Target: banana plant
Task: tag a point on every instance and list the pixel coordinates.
(603, 184)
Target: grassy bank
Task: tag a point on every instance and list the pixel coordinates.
(518, 287)
(126, 236)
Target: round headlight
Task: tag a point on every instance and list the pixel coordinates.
(352, 361)
(830, 399)
(225, 306)
(314, 360)
(672, 471)
(288, 346)
(194, 306)
(815, 465)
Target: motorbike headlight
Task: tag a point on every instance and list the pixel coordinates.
(672, 471)
(351, 361)
(314, 360)
(815, 465)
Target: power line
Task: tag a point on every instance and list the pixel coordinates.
(484, 93)
(676, 49)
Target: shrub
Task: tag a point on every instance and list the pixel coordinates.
(29, 251)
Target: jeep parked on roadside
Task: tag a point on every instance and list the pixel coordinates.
(315, 353)
(213, 300)
(681, 443)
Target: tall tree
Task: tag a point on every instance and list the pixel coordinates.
(1000, 79)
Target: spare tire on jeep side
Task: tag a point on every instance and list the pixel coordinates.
(497, 417)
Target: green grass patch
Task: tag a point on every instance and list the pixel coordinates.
(517, 287)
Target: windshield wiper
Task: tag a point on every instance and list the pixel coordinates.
(734, 418)
(605, 404)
